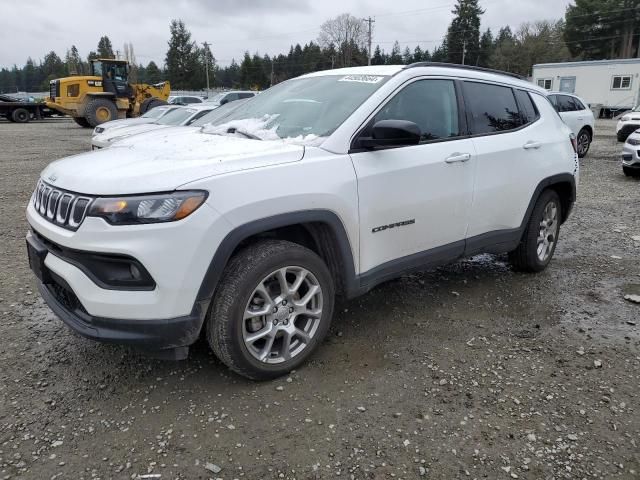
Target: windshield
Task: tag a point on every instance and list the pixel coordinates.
(301, 109)
(155, 112)
(218, 113)
(177, 117)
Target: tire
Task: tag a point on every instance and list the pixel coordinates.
(584, 142)
(100, 110)
(525, 257)
(21, 115)
(631, 172)
(256, 265)
(83, 122)
(9, 117)
(150, 103)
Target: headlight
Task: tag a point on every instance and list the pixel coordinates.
(98, 130)
(625, 118)
(163, 207)
(633, 141)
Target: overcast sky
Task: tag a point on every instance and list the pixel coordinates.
(35, 27)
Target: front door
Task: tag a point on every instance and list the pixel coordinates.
(417, 198)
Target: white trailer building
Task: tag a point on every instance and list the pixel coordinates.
(609, 86)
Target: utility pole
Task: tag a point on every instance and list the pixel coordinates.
(370, 21)
(464, 50)
(272, 72)
(206, 62)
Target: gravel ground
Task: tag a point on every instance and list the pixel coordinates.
(468, 371)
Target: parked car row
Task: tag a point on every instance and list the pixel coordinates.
(219, 99)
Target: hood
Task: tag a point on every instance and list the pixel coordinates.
(166, 163)
(115, 133)
(125, 122)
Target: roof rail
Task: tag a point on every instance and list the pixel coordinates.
(464, 67)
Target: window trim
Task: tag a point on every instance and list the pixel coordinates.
(462, 118)
(521, 107)
(545, 79)
(613, 78)
(501, 132)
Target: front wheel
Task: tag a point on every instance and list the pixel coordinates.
(83, 122)
(584, 142)
(540, 238)
(271, 310)
(631, 172)
(21, 115)
(100, 110)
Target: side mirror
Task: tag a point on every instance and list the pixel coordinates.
(392, 133)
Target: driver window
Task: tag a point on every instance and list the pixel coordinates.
(431, 104)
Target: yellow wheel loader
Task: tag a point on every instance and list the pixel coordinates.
(104, 95)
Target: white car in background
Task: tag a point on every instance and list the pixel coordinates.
(179, 117)
(223, 98)
(575, 112)
(628, 123)
(149, 117)
(184, 100)
(631, 155)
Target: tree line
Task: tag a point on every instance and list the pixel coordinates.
(590, 30)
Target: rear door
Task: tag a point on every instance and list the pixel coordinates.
(416, 198)
(509, 143)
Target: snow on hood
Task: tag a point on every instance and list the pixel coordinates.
(115, 133)
(260, 128)
(125, 122)
(165, 162)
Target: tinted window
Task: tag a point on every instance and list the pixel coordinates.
(431, 104)
(579, 105)
(231, 97)
(566, 104)
(528, 110)
(191, 100)
(492, 108)
(245, 95)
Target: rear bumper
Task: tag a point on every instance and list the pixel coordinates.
(166, 338)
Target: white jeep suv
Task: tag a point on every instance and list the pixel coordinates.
(246, 229)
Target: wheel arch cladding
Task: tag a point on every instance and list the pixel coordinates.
(321, 231)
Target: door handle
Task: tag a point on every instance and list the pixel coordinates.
(532, 145)
(458, 158)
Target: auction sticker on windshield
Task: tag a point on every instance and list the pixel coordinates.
(361, 78)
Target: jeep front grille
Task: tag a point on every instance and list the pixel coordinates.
(66, 209)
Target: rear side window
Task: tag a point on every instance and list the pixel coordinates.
(491, 108)
(528, 110)
(566, 104)
(245, 95)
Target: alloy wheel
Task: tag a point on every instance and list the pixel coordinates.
(282, 315)
(548, 232)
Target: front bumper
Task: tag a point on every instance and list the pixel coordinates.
(631, 156)
(163, 338)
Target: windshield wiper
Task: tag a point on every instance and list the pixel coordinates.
(243, 133)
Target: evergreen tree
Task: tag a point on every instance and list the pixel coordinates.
(182, 59)
(377, 58)
(597, 29)
(486, 49)
(463, 35)
(105, 49)
(395, 58)
(73, 61)
(153, 73)
(30, 80)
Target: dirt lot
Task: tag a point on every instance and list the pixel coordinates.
(469, 371)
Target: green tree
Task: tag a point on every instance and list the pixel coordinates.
(153, 73)
(485, 52)
(105, 49)
(463, 35)
(396, 57)
(599, 29)
(183, 63)
(73, 61)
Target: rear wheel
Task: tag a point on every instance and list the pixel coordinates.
(540, 238)
(150, 103)
(83, 122)
(21, 115)
(583, 142)
(100, 110)
(271, 310)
